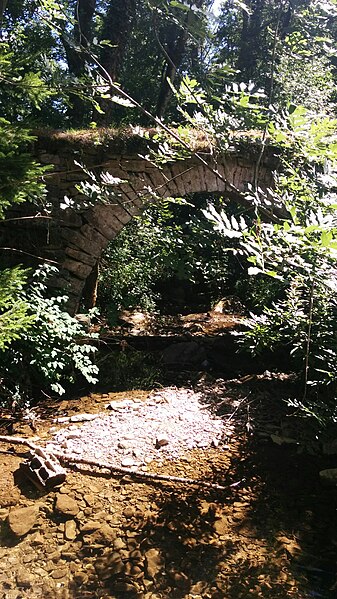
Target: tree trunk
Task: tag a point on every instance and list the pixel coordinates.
(74, 49)
(116, 29)
(250, 41)
(175, 49)
(89, 294)
(3, 4)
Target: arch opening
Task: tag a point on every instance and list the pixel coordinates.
(171, 261)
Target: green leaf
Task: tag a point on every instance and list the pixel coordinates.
(179, 5)
(122, 101)
(326, 238)
(254, 270)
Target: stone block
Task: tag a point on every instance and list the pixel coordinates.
(53, 254)
(49, 158)
(178, 170)
(171, 186)
(115, 171)
(67, 284)
(82, 242)
(211, 181)
(76, 175)
(80, 256)
(108, 227)
(133, 203)
(190, 179)
(159, 182)
(120, 213)
(69, 218)
(197, 181)
(94, 236)
(133, 166)
(79, 269)
(239, 176)
(131, 192)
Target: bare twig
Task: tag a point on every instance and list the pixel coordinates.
(232, 191)
(308, 340)
(18, 218)
(4, 249)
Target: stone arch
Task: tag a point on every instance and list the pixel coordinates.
(76, 238)
(85, 243)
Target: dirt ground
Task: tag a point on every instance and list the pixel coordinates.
(271, 533)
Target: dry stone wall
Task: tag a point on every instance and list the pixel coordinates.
(76, 237)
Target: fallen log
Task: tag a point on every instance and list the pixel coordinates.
(70, 460)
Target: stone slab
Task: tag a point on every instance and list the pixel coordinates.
(80, 256)
(79, 269)
(109, 227)
(82, 242)
(94, 236)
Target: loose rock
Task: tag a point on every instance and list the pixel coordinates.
(329, 476)
(154, 562)
(70, 531)
(59, 573)
(128, 462)
(128, 512)
(161, 442)
(67, 506)
(22, 520)
(105, 535)
(90, 526)
(24, 578)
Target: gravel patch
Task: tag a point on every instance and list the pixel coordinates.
(167, 425)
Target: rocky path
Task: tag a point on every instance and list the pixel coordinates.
(271, 533)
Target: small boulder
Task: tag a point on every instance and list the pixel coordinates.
(24, 578)
(329, 476)
(65, 505)
(128, 462)
(22, 520)
(104, 535)
(129, 512)
(90, 526)
(154, 562)
(161, 442)
(70, 531)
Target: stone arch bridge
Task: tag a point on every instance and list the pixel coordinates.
(75, 237)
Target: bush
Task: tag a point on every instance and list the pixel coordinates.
(168, 242)
(51, 349)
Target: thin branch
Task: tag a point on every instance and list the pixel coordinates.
(71, 459)
(18, 441)
(17, 218)
(308, 342)
(4, 249)
(120, 92)
(113, 86)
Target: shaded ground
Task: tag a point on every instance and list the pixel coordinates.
(271, 533)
